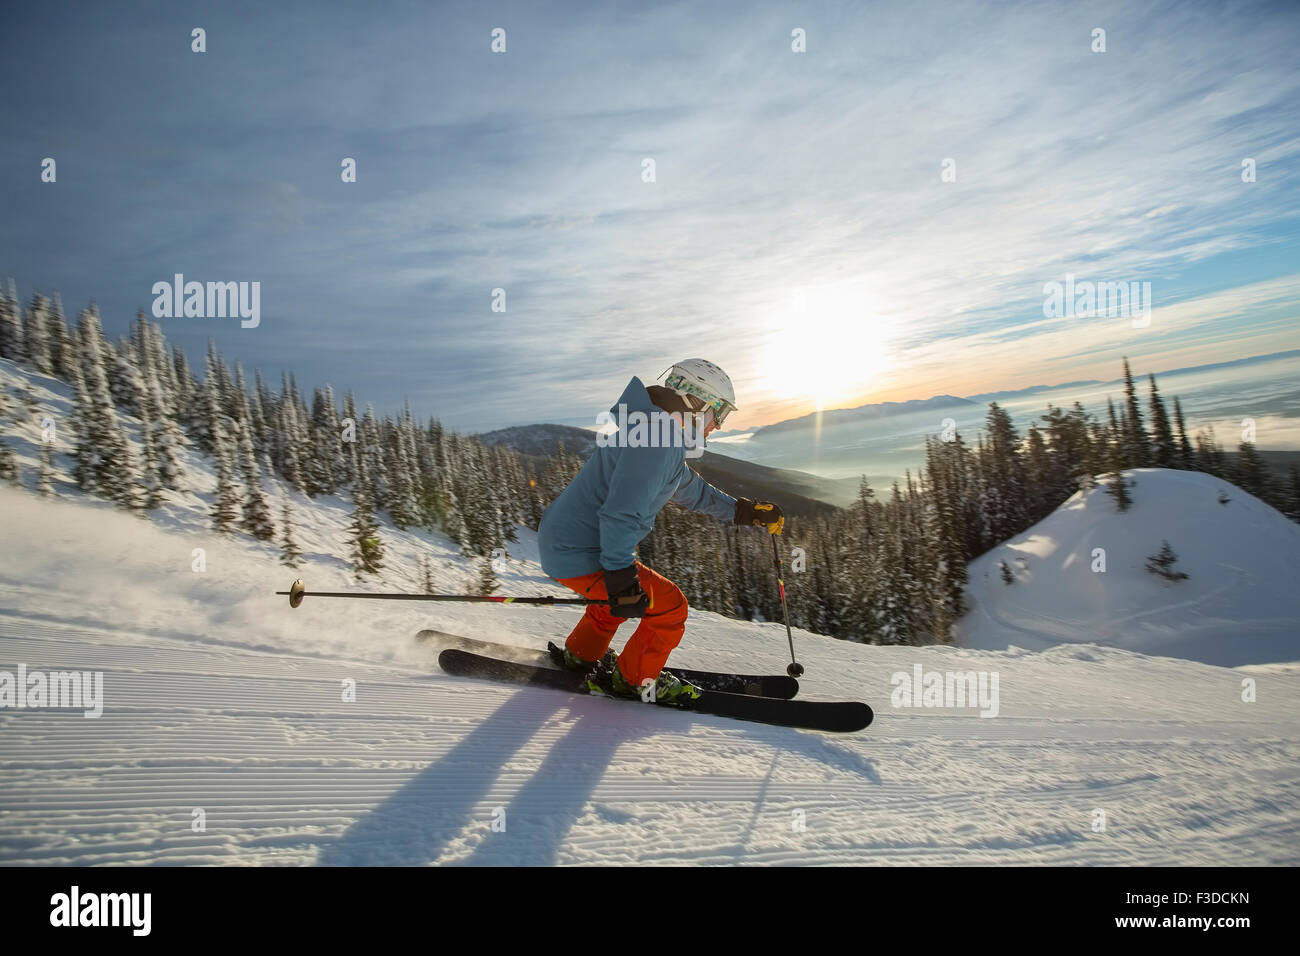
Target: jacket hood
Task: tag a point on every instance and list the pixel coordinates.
(635, 398)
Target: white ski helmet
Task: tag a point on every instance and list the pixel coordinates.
(702, 385)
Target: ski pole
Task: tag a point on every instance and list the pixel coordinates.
(795, 669)
(298, 591)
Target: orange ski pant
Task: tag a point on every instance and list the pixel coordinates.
(655, 636)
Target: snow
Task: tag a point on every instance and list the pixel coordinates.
(1239, 605)
(218, 697)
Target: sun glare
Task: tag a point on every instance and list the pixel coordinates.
(828, 343)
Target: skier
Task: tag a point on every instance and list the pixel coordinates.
(588, 535)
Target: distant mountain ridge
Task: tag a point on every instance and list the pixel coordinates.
(847, 416)
(839, 416)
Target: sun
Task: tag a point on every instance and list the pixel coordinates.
(827, 344)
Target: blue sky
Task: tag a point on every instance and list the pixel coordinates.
(798, 231)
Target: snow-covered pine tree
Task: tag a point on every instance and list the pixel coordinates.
(369, 434)
(225, 502)
(11, 327)
(38, 341)
(323, 462)
(150, 464)
(63, 350)
(289, 451)
(191, 399)
(257, 513)
(349, 467)
(260, 408)
(124, 380)
(85, 455)
(402, 506)
(103, 448)
(167, 437)
(217, 378)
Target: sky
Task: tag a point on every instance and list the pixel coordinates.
(799, 229)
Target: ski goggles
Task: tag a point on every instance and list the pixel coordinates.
(702, 399)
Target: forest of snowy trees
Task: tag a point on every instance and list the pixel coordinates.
(889, 569)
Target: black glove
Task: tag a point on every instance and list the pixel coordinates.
(760, 514)
(626, 599)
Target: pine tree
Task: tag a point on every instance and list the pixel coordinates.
(166, 434)
(63, 351)
(1252, 471)
(1162, 563)
(105, 465)
(290, 555)
(402, 506)
(150, 466)
(426, 574)
(363, 532)
(1209, 454)
(1185, 457)
(486, 580)
(1136, 446)
(38, 340)
(45, 482)
(257, 514)
(225, 503)
(11, 327)
(1117, 488)
(1007, 576)
(1005, 482)
(1164, 451)
(323, 462)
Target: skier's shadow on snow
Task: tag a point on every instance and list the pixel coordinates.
(449, 798)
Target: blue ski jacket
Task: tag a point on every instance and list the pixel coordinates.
(597, 521)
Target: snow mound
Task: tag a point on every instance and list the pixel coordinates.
(1238, 605)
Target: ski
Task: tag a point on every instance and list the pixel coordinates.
(835, 716)
(750, 685)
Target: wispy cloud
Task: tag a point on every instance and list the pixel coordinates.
(776, 171)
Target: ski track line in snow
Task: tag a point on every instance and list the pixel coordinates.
(412, 772)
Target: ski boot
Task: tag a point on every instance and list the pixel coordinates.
(667, 688)
(570, 661)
